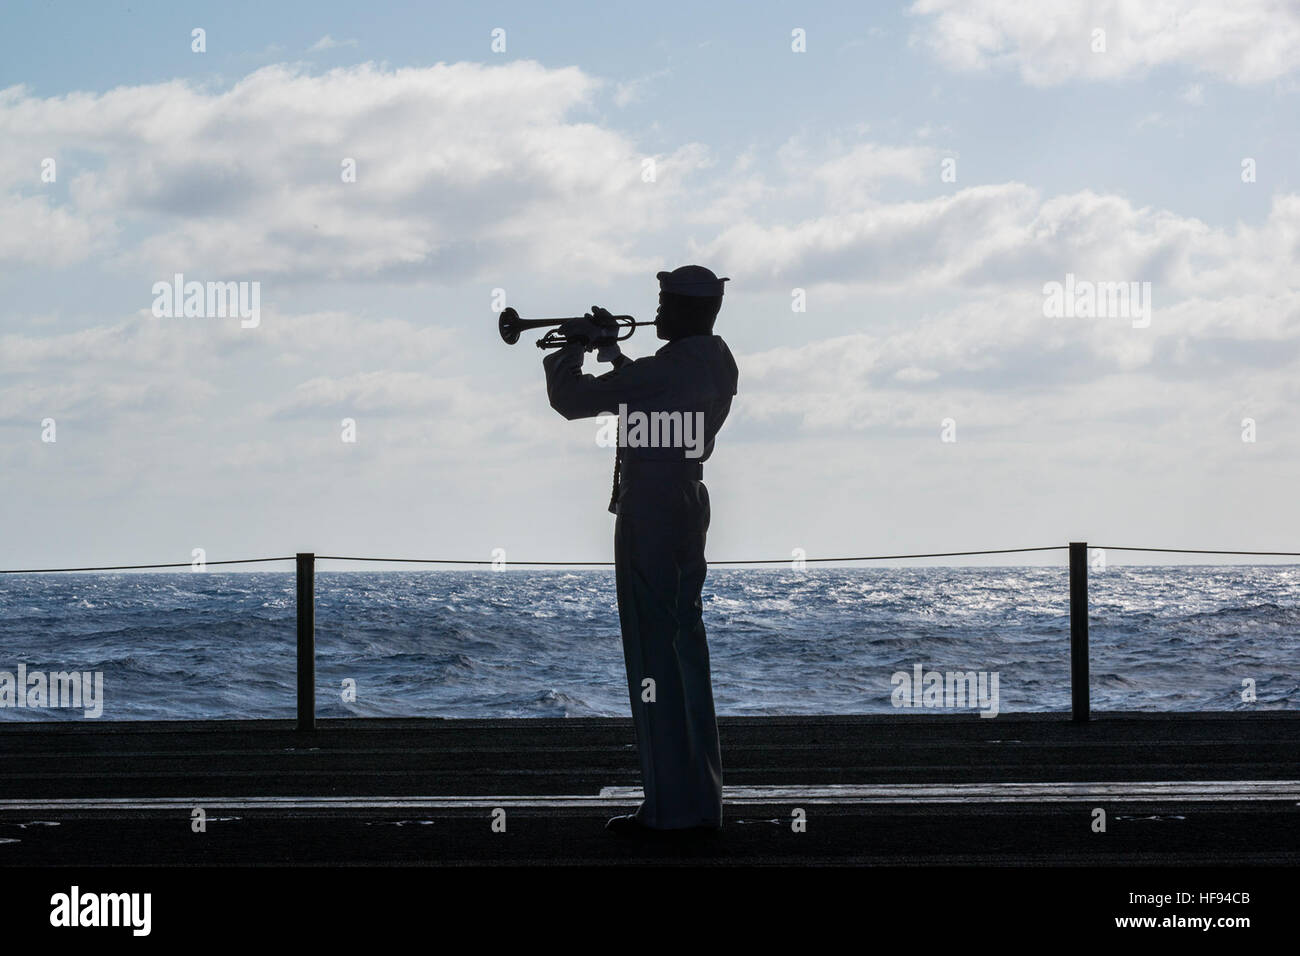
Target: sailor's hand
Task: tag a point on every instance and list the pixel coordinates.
(597, 328)
(607, 331)
(583, 331)
(604, 319)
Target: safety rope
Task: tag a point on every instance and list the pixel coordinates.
(132, 567)
(567, 564)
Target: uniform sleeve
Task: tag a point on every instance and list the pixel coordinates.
(575, 395)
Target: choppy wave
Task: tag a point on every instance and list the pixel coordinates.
(546, 643)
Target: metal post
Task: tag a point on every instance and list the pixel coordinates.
(306, 641)
(1079, 701)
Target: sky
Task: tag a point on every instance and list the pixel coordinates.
(892, 190)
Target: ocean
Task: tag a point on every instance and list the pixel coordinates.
(546, 643)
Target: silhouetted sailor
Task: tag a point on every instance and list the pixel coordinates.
(671, 405)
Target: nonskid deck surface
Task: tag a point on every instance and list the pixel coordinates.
(615, 798)
(1018, 789)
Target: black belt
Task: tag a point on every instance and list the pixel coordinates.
(674, 468)
(665, 467)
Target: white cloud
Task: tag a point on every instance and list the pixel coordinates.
(999, 363)
(327, 42)
(33, 232)
(849, 176)
(460, 168)
(1242, 41)
(635, 90)
(1007, 236)
(468, 171)
(144, 342)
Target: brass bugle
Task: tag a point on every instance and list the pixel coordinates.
(510, 325)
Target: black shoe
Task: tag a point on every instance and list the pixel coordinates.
(629, 825)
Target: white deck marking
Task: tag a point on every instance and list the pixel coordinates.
(1159, 791)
